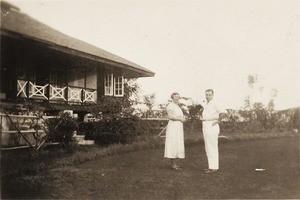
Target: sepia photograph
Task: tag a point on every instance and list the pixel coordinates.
(150, 99)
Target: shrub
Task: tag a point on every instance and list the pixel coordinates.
(111, 130)
(61, 129)
(88, 129)
(106, 138)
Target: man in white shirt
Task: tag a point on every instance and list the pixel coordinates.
(210, 123)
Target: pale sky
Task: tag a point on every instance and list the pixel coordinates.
(191, 45)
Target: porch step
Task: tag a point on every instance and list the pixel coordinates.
(81, 141)
(86, 142)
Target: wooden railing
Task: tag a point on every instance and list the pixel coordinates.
(74, 94)
(89, 95)
(27, 89)
(37, 90)
(57, 93)
(21, 87)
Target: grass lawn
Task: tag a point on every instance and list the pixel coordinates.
(146, 175)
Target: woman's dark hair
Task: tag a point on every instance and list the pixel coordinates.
(210, 90)
(173, 94)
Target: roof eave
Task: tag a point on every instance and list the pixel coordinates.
(64, 49)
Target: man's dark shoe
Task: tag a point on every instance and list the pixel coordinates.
(175, 167)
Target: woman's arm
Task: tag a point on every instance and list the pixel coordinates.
(182, 119)
(172, 115)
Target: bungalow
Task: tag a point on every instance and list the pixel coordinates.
(55, 70)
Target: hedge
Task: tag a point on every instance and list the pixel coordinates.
(111, 130)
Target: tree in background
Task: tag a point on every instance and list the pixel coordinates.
(149, 101)
(258, 115)
(163, 108)
(273, 95)
(195, 111)
(246, 111)
(270, 108)
(252, 81)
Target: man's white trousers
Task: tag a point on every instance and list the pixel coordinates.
(210, 134)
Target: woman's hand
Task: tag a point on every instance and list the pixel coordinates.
(215, 123)
(183, 119)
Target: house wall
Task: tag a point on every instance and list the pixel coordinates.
(100, 82)
(75, 79)
(91, 79)
(28, 60)
(8, 51)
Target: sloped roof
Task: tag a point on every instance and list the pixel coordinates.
(12, 20)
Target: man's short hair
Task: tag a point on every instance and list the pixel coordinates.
(210, 90)
(173, 94)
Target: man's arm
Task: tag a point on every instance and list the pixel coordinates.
(221, 116)
(215, 121)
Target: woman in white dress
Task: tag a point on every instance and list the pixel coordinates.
(174, 146)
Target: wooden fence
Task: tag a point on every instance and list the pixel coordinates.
(22, 131)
